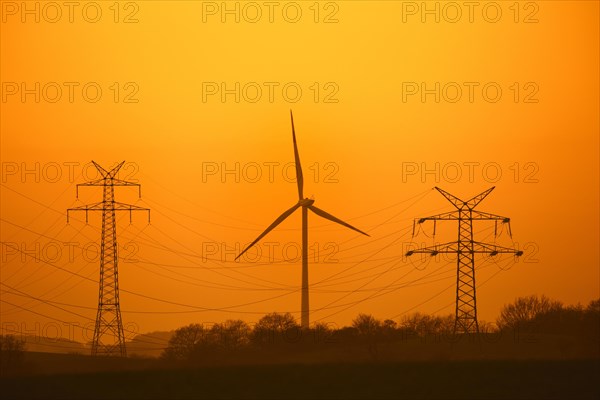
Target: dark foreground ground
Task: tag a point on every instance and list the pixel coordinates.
(574, 379)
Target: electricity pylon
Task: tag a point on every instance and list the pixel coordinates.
(109, 338)
(466, 248)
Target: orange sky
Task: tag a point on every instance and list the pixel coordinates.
(365, 136)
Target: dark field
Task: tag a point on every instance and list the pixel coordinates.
(544, 379)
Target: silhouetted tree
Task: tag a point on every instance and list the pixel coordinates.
(424, 324)
(276, 322)
(12, 351)
(322, 333)
(524, 310)
(186, 342)
(487, 327)
(369, 330)
(230, 335)
(322, 326)
(594, 306)
(592, 321)
(366, 325)
(390, 324)
(275, 327)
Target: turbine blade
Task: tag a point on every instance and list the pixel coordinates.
(330, 217)
(299, 177)
(271, 227)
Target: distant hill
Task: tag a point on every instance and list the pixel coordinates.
(51, 345)
(149, 344)
(143, 345)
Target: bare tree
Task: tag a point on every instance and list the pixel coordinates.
(230, 335)
(594, 306)
(424, 324)
(366, 324)
(369, 331)
(12, 351)
(185, 342)
(526, 309)
(390, 324)
(274, 326)
(276, 322)
(322, 332)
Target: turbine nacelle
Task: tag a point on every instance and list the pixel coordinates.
(306, 202)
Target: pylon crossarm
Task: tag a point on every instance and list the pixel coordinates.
(113, 181)
(128, 207)
(102, 182)
(101, 206)
(121, 182)
(102, 171)
(87, 207)
(108, 174)
(116, 206)
(451, 247)
(480, 215)
(473, 202)
(492, 249)
(452, 215)
(95, 182)
(456, 202)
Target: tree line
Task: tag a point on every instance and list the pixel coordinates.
(530, 315)
(278, 336)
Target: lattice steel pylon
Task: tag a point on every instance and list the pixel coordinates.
(466, 248)
(109, 337)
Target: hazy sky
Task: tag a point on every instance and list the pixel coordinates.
(388, 103)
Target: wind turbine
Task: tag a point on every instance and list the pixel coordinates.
(306, 204)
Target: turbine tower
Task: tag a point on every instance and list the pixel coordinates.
(306, 204)
(109, 338)
(466, 248)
